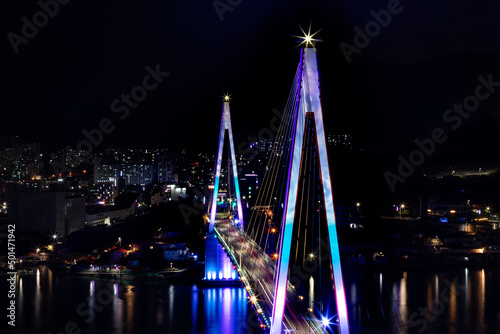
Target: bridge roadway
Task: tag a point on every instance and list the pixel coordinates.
(256, 270)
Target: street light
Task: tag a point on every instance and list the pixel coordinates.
(326, 322)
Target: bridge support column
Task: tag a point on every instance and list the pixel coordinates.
(219, 269)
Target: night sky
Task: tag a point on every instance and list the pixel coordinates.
(394, 91)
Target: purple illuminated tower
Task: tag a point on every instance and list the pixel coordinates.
(218, 265)
(308, 103)
(225, 124)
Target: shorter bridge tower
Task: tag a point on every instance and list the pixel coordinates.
(218, 265)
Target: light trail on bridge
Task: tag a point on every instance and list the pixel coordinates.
(258, 268)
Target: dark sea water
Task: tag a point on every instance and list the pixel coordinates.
(424, 300)
(47, 302)
(433, 300)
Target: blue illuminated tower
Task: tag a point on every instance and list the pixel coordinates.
(309, 103)
(218, 265)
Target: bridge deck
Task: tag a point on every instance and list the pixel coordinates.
(256, 270)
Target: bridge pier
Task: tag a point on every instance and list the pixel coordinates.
(219, 269)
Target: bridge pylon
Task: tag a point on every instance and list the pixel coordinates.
(218, 266)
(225, 124)
(308, 104)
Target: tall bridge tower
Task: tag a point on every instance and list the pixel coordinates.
(309, 105)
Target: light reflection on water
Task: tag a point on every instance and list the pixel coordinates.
(403, 296)
(435, 300)
(457, 300)
(104, 306)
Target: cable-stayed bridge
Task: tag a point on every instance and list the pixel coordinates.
(292, 214)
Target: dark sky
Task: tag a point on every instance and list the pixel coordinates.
(394, 91)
